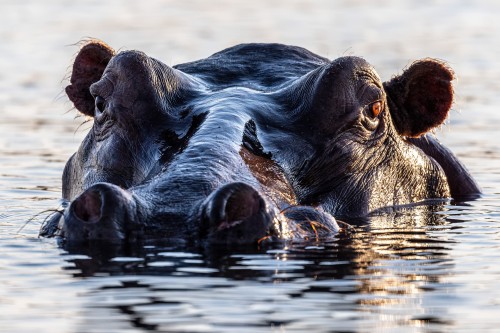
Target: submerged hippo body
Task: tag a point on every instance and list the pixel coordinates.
(256, 141)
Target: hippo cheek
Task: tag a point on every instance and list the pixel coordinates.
(103, 212)
(235, 214)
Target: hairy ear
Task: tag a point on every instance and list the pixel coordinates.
(420, 98)
(88, 68)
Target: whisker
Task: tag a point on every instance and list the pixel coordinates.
(52, 211)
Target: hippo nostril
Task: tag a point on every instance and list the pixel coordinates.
(235, 213)
(243, 203)
(232, 204)
(87, 207)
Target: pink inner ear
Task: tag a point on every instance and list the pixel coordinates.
(88, 68)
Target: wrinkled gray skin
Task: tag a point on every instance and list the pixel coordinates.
(257, 141)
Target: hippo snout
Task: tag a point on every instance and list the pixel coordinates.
(102, 212)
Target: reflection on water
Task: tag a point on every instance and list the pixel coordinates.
(426, 269)
(382, 275)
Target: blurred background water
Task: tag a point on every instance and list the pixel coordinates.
(409, 272)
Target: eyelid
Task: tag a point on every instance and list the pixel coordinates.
(102, 88)
(94, 91)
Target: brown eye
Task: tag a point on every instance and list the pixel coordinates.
(376, 108)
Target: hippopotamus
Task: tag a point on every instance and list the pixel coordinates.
(258, 141)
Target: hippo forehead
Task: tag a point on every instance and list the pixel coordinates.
(256, 70)
(338, 85)
(267, 67)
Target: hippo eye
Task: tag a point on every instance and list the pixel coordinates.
(376, 108)
(100, 103)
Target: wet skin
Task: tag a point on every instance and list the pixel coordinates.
(257, 141)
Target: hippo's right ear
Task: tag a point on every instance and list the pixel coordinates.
(88, 68)
(420, 98)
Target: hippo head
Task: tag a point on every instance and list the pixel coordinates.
(257, 141)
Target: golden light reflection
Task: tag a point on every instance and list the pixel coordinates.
(395, 260)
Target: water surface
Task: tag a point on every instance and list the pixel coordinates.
(419, 270)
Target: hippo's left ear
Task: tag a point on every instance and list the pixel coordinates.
(420, 98)
(88, 68)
